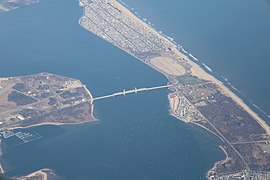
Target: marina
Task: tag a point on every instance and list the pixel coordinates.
(24, 137)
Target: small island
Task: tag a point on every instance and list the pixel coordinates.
(43, 174)
(8, 5)
(43, 99)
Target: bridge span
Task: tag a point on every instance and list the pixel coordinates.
(135, 90)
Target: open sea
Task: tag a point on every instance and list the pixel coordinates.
(135, 137)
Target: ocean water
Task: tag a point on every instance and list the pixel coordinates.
(135, 137)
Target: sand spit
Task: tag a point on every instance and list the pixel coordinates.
(174, 102)
(196, 70)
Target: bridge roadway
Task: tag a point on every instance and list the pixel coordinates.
(124, 92)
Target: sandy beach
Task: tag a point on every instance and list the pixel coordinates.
(54, 124)
(196, 70)
(3, 79)
(174, 102)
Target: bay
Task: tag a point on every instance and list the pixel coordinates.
(135, 137)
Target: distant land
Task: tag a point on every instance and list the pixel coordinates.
(7, 5)
(196, 96)
(43, 174)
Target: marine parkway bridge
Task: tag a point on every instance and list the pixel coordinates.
(135, 90)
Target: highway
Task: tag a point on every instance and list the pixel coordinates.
(135, 90)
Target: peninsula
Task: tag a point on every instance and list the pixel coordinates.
(196, 96)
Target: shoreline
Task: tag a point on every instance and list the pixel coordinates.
(196, 69)
(44, 175)
(54, 124)
(218, 162)
(87, 98)
(171, 100)
(1, 167)
(43, 124)
(201, 73)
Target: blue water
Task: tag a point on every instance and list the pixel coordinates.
(135, 137)
(130, 142)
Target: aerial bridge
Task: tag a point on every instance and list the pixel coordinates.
(135, 90)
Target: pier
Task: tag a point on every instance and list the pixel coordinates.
(135, 90)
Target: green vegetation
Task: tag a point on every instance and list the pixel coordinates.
(189, 80)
